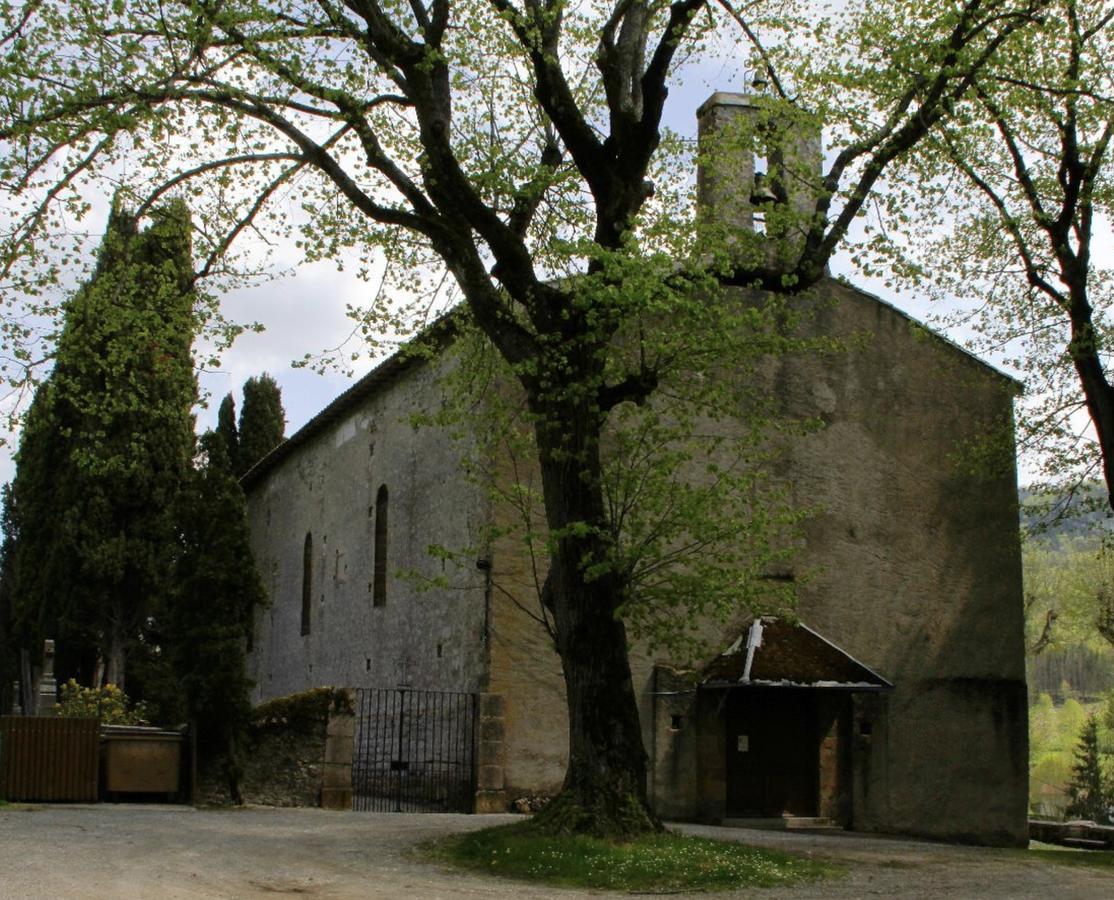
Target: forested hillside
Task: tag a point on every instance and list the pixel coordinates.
(1069, 619)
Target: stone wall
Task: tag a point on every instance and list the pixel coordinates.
(430, 637)
(674, 749)
(910, 562)
(914, 565)
(298, 753)
(491, 756)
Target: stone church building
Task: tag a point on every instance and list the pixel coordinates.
(894, 702)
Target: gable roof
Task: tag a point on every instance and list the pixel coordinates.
(943, 339)
(775, 652)
(435, 336)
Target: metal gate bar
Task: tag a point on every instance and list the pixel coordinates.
(415, 751)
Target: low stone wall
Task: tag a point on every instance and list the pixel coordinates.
(299, 753)
(1085, 835)
(336, 765)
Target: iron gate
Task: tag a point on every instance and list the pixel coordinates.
(415, 751)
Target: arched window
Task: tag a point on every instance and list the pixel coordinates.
(379, 577)
(307, 582)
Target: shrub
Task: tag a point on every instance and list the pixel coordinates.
(108, 703)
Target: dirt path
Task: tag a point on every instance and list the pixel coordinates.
(893, 867)
(132, 852)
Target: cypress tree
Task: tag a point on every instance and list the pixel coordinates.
(262, 420)
(44, 575)
(1087, 790)
(105, 449)
(217, 591)
(9, 643)
(226, 428)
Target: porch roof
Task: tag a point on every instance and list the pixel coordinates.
(775, 652)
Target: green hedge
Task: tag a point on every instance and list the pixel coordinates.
(305, 712)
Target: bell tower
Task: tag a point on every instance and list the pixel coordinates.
(759, 172)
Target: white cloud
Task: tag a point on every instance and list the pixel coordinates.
(303, 313)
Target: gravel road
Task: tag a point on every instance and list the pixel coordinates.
(126, 852)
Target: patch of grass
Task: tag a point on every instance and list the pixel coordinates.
(658, 862)
(20, 807)
(1070, 856)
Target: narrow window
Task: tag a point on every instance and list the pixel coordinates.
(307, 582)
(379, 589)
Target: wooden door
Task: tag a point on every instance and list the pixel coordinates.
(772, 753)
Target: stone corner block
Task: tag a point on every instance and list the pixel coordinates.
(490, 778)
(341, 726)
(339, 750)
(492, 706)
(491, 802)
(336, 775)
(336, 798)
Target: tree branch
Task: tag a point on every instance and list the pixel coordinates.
(636, 388)
(202, 169)
(1009, 222)
(767, 64)
(529, 196)
(888, 142)
(537, 32)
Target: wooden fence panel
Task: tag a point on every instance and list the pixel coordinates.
(43, 758)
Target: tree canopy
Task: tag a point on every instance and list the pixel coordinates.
(9, 640)
(1008, 207)
(1088, 790)
(514, 151)
(104, 451)
(262, 421)
(215, 594)
(226, 428)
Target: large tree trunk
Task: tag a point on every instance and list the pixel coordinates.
(116, 655)
(1085, 352)
(604, 792)
(1100, 404)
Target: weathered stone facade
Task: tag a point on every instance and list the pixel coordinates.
(915, 569)
(912, 555)
(325, 488)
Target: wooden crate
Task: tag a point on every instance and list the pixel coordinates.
(139, 760)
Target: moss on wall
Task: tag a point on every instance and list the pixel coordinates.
(305, 712)
(284, 761)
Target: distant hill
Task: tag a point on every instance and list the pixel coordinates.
(1080, 515)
